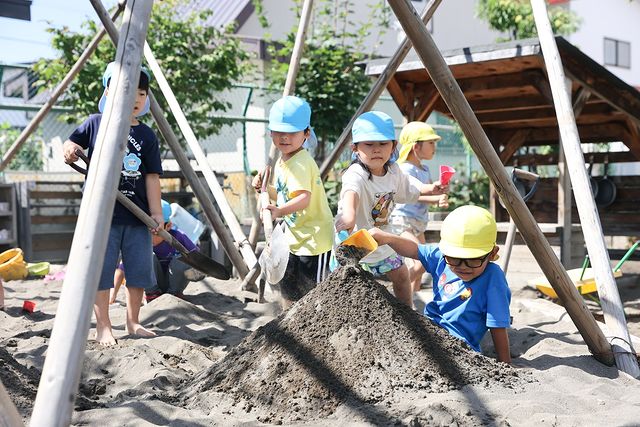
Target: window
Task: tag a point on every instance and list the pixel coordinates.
(617, 53)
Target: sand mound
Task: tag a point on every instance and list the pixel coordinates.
(347, 342)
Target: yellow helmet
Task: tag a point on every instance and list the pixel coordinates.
(468, 232)
(411, 133)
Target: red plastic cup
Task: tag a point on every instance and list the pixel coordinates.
(28, 306)
(446, 172)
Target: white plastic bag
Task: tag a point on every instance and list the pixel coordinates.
(275, 257)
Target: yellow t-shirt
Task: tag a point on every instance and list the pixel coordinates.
(309, 231)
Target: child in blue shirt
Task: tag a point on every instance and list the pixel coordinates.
(470, 293)
(139, 181)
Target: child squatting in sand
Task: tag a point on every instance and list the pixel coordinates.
(470, 293)
(140, 182)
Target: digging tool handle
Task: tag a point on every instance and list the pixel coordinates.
(267, 220)
(139, 213)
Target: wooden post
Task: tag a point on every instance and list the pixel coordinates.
(169, 136)
(375, 92)
(459, 107)
(9, 415)
(59, 90)
(564, 203)
(201, 158)
(63, 364)
(587, 210)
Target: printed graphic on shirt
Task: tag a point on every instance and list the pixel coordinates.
(283, 197)
(466, 294)
(131, 168)
(382, 209)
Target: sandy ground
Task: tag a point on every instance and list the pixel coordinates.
(143, 382)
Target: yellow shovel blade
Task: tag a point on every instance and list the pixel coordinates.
(361, 239)
(584, 286)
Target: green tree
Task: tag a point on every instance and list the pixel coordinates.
(29, 157)
(199, 62)
(515, 17)
(330, 78)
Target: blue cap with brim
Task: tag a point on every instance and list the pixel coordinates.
(108, 72)
(289, 114)
(373, 126)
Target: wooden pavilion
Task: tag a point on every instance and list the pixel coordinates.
(507, 88)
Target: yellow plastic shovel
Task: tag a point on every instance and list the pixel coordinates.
(361, 239)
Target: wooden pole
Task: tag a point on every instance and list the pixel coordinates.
(201, 158)
(59, 90)
(203, 196)
(374, 93)
(9, 415)
(63, 364)
(587, 210)
(458, 105)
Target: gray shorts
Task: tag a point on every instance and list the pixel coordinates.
(400, 223)
(134, 243)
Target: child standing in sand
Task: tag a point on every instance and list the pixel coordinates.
(417, 144)
(128, 236)
(370, 188)
(301, 200)
(470, 293)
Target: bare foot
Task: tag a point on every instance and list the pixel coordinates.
(104, 337)
(139, 330)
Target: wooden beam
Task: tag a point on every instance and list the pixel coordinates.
(604, 84)
(453, 96)
(410, 107)
(426, 104)
(592, 228)
(552, 159)
(512, 144)
(63, 364)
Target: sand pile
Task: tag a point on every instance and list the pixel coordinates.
(347, 342)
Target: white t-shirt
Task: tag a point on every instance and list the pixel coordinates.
(376, 198)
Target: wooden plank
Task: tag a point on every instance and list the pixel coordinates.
(552, 159)
(56, 219)
(426, 104)
(37, 194)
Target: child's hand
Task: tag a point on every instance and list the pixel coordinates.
(439, 188)
(256, 182)
(69, 152)
(344, 224)
(376, 233)
(443, 202)
(276, 212)
(159, 218)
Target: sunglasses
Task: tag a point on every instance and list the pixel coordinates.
(469, 262)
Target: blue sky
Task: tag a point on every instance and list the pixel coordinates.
(27, 41)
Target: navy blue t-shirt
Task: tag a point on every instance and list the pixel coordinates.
(141, 157)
